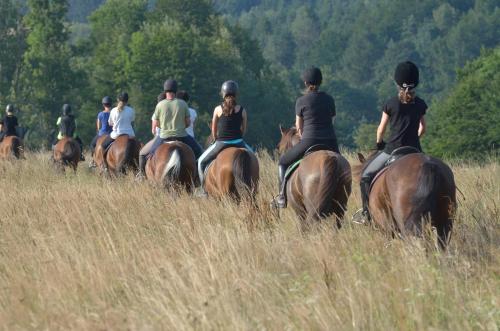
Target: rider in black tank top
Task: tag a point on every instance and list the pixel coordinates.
(229, 126)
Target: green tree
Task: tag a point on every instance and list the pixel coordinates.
(466, 123)
(47, 78)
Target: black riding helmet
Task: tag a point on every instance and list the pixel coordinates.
(9, 109)
(107, 101)
(229, 87)
(312, 76)
(123, 97)
(66, 109)
(170, 85)
(406, 75)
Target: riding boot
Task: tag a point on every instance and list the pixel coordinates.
(365, 194)
(281, 198)
(142, 167)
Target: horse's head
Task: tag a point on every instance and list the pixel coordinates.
(289, 138)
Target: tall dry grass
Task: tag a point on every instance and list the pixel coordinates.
(82, 252)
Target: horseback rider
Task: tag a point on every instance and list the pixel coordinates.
(229, 124)
(314, 116)
(8, 123)
(120, 118)
(405, 115)
(102, 124)
(192, 112)
(172, 117)
(68, 128)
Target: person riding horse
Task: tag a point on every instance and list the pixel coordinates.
(314, 116)
(102, 124)
(229, 124)
(172, 116)
(120, 119)
(8, 124)
(405, 115)
(68, 128)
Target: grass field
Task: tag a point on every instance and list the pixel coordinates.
(82, 252)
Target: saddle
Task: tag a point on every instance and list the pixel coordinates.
(396, 154)
(310, 150)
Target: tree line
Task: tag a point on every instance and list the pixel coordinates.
(55, 52)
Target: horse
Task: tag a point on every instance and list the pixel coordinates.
(321, 184)
(121, 155)
(11, 146)
(233, 173)
(66, 153)
(172, 165)
(411, 191)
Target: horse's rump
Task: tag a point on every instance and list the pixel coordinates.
(11, 146)
(234, 172)
(121, 154)
(172, 164)
(67, 152)
(320, 186)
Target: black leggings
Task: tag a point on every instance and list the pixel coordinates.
(298, 151)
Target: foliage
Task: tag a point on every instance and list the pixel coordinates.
(466, 123)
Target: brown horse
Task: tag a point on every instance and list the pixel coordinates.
(233, 173)
(123, 154)
(172, 165)
(11, 146)
(66, 153)
(321, 184)
(413, 189)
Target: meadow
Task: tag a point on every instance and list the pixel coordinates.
(81, 252)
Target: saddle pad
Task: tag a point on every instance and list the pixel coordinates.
(388, 163)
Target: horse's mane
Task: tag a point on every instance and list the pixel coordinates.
(286, 139)
(358, 169)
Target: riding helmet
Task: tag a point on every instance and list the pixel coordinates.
(406, 75)
(123, 97)
(9, 109)
(170, 85)
(312, 76)
(107, 101)
(229, 87)
(66, 109)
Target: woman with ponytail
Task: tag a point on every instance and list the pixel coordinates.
(229, 124)
(121, 119)
(405, 116)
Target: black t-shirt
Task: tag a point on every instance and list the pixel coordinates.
(404, 123)
(317, 110)
(229, 127)
(9, 123)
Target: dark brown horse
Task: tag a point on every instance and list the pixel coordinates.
(233, 173)
(172, 165)
(413, 189)
(123, 154)
(11, 146)
(321, 184)
(66, 153)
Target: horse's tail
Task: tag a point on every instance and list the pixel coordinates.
(129, 157)
(69, 151)
(330, 181)
(427, 194)
(242, 170)
(17, 148)
(173, 167)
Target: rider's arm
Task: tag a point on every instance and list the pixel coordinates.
(382, 126)
(215, 120)
(244, 122)
(421, 127)
(299, 124)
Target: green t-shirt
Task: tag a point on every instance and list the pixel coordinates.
(172, 116)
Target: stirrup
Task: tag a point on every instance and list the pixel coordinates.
(276, 204)
(360, 217)
(139, 177)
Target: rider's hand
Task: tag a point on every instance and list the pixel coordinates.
(380, 145)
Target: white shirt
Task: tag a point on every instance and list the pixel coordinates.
(158, 129)
(122, 122)
(192, 118)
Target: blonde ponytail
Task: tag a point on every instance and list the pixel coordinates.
(121, 105)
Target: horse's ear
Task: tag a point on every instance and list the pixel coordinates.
(361, 158)
(282, 130)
